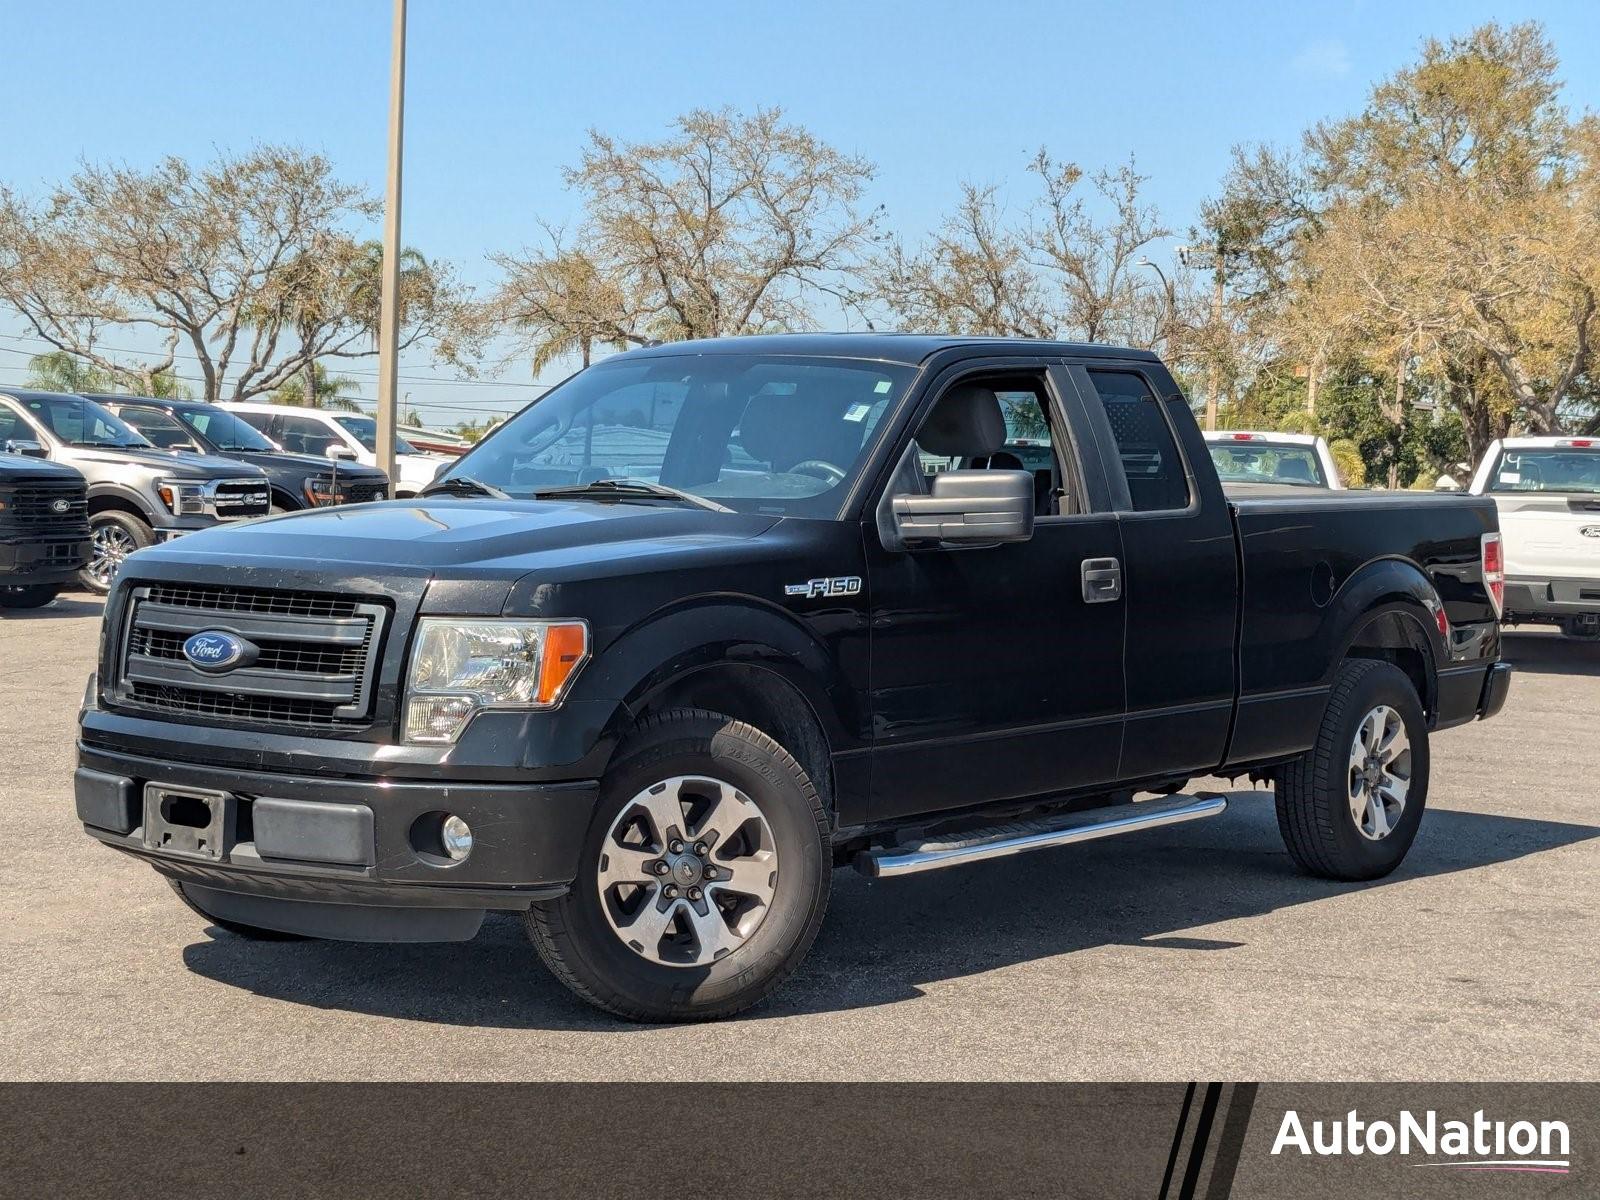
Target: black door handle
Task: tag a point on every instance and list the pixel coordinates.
(1102, 580)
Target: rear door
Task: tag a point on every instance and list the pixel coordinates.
(1179, 567)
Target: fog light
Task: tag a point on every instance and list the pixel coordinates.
(456, 835)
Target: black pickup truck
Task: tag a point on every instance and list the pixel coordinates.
(44, 526)
(710, 619)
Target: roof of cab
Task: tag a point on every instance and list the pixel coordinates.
(907, 348)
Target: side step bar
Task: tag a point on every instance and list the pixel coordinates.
(1001, 841)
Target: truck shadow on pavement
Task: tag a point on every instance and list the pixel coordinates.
(883, 940)
(80, 605)
(1550, 654)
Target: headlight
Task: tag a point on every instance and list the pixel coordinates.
(319, 491)
(460, 667)
(181, 497)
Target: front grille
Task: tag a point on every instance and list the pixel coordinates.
(31, 504)
(365, 493)
(239, 499)
(308, 659)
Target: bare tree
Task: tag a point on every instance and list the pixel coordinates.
(244, 267)
(733, 224)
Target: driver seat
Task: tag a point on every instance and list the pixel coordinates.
(966, 423)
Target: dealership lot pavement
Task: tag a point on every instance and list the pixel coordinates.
(1195, 952)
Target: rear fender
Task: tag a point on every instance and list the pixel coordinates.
(1389, 604)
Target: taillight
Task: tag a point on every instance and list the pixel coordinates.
(1494, 571)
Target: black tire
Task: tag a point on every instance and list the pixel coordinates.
(1313, 792)
(135, 531)
(575, 938)
(252, 933)
(1577, 631)
(32, 596)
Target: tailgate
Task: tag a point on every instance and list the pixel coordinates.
(1550, 536)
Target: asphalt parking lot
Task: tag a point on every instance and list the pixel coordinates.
(1195, 952)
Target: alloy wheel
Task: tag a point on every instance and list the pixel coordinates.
(109, 547)
(1379, 772)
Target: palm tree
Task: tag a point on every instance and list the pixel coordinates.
(330, 391)
(59, 371)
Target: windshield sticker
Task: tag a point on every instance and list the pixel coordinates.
(857, 412)
(883, 386)
(1510, 476)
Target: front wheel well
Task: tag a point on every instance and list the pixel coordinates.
(105, 503)
(761, 698)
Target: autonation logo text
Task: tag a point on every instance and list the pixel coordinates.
(1481, 1144)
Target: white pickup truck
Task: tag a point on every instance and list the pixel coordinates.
(1287, 459)
(1547, 490)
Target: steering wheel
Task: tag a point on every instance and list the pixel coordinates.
(818, 469)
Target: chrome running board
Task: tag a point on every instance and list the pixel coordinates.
(1001, 841)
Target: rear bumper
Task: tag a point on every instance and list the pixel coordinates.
(1534, 598)
(1471, 693)
(338, 857)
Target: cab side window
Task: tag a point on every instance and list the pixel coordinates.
(1149, 453)
(305, 435)
(12, 427)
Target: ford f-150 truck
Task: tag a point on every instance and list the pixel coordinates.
(710, 619)
(44, 527)
(1547, 493)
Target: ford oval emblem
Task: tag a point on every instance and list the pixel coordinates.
(213, 650)
(1590, 531)
(60, 506)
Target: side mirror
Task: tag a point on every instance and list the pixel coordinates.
(968, 508)
(343, 453)
(26, 447)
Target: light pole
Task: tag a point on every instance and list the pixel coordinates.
(389, 293)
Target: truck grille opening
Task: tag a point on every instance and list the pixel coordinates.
(32, 504)
(366, 493)
(305, 659)
(240, 499)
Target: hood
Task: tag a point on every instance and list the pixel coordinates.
(169, 462)
(459, 538)
(15, 467)
(307, 462)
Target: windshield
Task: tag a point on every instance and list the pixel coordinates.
(365, 431)
(224, 430)
(80, 422)
(755, 433)
(161, 429)
(1268, 462)
(1557, 469)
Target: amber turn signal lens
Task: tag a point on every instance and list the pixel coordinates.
(565, 648)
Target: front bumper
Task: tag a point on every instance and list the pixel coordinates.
(1531, 599)
(45, 560)
(337, 857)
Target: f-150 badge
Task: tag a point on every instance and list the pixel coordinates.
(811, 589)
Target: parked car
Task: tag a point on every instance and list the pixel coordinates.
(298, 480)
(1547, 493)
(318, 430)
(703, 622)
(1273, 459)
(44, 525)
(138, 495)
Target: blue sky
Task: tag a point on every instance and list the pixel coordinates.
(500, 93)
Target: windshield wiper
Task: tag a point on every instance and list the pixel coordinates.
(630, 489)
(463, 485)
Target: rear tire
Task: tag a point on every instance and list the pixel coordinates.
(113, 535)
(31, 596)
(751, 815)
(1344, 812)
(1576, 629)
(252, 933)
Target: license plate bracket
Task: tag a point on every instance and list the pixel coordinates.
(193, 822)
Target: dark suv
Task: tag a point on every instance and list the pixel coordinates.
(298, 480)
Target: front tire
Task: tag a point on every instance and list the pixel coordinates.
(1349, 808)
(30, 596)
(113, 536)
(704, 876)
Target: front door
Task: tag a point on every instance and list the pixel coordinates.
(992, 676)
